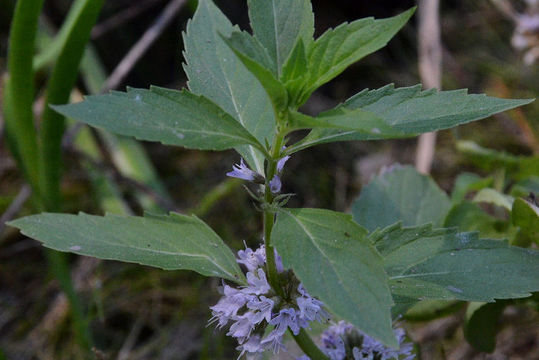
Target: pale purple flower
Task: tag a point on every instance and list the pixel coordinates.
(263, 306)
(251, 346)
(229, 305)
(241, 171)
(242, 328)
(275, 184)
(258, 284)
(252, 259)
(281, 162)
(285, 319)
(253, 307)
(333, 342)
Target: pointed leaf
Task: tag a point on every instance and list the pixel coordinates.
(279, 24)
(170, 242)
(330, 255)
(400, 194)
(339, 48)
(358, 121)
(240, 42)
(215, 72)
(425, 263)
(409, 111)
(295, 75)
(168, 116)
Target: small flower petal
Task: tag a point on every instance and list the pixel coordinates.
(275, 184)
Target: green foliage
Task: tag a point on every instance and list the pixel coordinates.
(400, 194)
(169, 116)
(518, 167)
(332, 257)
(244, 93)
(526, 216)
(279, 25)
(168, 242)
(215, 72)
(424, 263)
(409, 111)
(482, 326)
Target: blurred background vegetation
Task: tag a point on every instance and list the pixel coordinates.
(137, 312)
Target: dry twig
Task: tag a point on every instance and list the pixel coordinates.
(136, 52)
(430, 69)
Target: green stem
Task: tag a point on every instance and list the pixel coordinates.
(269, 218)
(59, 87)
(59, 267)
(302, 339)
(308, 346)
(19, 95)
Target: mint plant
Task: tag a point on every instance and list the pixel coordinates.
(362, 272)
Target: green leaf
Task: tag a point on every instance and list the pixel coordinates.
(279, 24)
(170, 242)
(409, 111)
(169, 116)
(248, 46)
(526, 216)
(295, 74)
(425, 263)
(214, 71)
(400, 194)
(332, 257)
(481, 326)
(468, 216)
(468, 182)
(244, 46)
(339, 48)
(354, 120)
(518, 167)
(494, 197)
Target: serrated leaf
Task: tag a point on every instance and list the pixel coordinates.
(400, 194)
(279, 24)
(353, 120)
(331, 256)
(170, 242)
(247, 45)
(446, 265)
(339, 48)
(168, 116)
(409, 112)
(295, 74)
(481, 325)
(244, 46)
(214, 71)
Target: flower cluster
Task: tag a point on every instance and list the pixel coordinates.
(252, 308)
(242, 171)
(343, 341)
